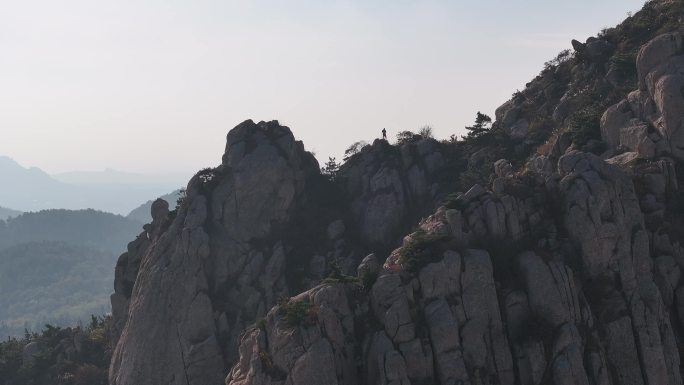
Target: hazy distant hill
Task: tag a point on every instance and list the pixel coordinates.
(142, 213)
(110, 176)
(31, 189)
(91, 228)
(120, 192)
(6, 213)
(56, 266)
(52, 282)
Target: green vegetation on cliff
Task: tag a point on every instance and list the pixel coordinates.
(58, 356)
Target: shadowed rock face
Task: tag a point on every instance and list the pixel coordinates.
(244, 237)
(201, 277)
(390, 188)
(582, 304)
(567, 272)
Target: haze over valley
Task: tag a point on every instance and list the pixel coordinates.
(60, 240)
(32, 189)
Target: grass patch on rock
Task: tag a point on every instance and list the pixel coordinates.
(298, 313)
(423, 248)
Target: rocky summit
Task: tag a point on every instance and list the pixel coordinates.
(545, 249)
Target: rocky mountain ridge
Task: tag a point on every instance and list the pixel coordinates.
(563, 267)
(242, 247)
(590, 301)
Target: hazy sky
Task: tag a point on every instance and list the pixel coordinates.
(154, 86)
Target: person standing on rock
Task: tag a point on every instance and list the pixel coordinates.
(384, 134)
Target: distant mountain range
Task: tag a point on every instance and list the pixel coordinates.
(109, 176)
(6, 213)
(31, 189)
(56, 263)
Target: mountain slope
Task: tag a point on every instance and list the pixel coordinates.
(557, 262)
(30, 189)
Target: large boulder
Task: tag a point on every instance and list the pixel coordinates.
(657, 52)
(650, 121)
(391, 187)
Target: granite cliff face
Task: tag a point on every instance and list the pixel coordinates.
(562, 266)
(581, 293)
(257, 228)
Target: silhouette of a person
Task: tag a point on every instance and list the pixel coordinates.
(384, 134)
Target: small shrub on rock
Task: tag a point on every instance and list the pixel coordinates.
(425, 132)
(405, 137)
(625, 65)
(330, 168)
(336, 275)
(423, 248)
(454, 201)
(367, 279)
(354, 149)
(260, 324)
(298, 313)
(585, 124)
(182, 194)
(209, 178)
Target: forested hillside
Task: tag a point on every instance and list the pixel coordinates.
(56, 266)
(52, 282)
(91, 228)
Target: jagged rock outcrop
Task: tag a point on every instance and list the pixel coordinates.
(129, 263)
(248, 232)
(319, 355)
(217, 265)
(584, 303)
(391, 187)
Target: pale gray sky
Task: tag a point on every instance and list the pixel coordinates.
(154, 85)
